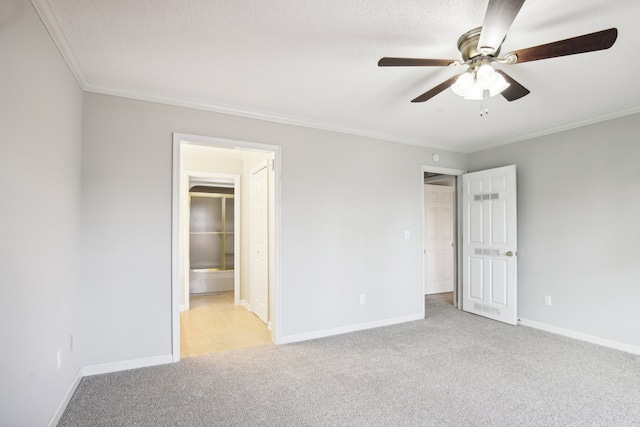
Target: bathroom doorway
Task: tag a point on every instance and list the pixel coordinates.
(212, 280)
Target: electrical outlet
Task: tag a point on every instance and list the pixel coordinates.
(363, 299)
(59, 359)
(547, 300)
(407, 234)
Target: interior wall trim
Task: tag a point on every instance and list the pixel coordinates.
(581, 336)
(104, 368)
(55, 418)
(52, 25)
(125, 365)
(557, 129)
(351, 328)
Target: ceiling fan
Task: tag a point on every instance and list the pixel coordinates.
(480, 48)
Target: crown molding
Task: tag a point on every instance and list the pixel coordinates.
(558, 129)
(50, 21)
(262, 115)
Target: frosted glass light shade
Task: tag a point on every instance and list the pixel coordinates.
(486, 76)
(463, 84)
(475, 93)
(471, 85)
(499, 85)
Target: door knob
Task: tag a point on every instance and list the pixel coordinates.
(509, 253)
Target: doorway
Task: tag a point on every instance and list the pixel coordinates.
(439, 232)
(220, 171)
(441, 248)
(487, 222)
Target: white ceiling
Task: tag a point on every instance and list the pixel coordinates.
(314, 63)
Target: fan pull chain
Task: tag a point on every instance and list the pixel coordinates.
(484, 107)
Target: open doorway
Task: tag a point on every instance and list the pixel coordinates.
(485, 242)
(439, 221)
(213, 266)
(440, 236)
(211, 320)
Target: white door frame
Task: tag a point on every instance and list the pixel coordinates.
(457, 286)
(176, 213)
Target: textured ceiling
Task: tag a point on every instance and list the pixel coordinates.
(314, 63)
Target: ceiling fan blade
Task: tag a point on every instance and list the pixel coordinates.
(414, 62)
(497, 21)
(515, 89)
(587, 43)
(436, 90)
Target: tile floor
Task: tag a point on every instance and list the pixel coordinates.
(215, 324)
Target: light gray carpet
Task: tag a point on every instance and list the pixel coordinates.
(451, 369)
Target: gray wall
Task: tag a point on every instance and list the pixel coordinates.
(346, 202)
(578, 225)
(40, 122)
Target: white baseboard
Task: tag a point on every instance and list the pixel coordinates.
(55, 418)
(245, 304)
(125, 365)
(103, 369)
(438, 290)
(581, 336)
(350, 328)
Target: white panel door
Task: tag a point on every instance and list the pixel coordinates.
(489, 233)
(259, 245)
(438, 201)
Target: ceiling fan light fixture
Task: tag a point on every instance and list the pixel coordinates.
(499, 85)
(486, 76)
(472, 84)
(475, 93)
(463, 84)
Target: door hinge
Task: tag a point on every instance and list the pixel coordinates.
(272, 164)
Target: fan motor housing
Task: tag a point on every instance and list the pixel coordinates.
(468, 44)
